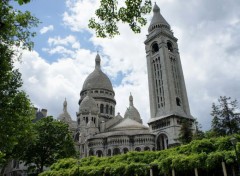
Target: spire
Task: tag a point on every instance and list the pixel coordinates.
(130, 100)
(157, 20)
(97, 61)
(65, 105)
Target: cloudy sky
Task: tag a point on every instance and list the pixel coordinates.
(208, 35)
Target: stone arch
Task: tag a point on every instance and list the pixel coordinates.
(99, 153)
(109, 152)
(162, 141)
(91, 152)
(146, 148)
(138, 149)
(125, 150)
(116, 151)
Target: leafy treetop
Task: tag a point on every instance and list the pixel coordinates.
(110, 13)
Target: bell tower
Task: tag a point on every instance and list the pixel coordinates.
(167, 91)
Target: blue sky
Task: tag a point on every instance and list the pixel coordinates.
(65, 49)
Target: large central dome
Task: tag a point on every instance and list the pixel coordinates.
(97, 79)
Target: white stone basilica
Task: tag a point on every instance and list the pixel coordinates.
(98, 131)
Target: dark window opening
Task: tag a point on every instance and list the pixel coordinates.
(178, 101)
(86, 119)
(111, 110)
(107, 109)
(138, 149)
(78, 121)
(125, 150)
(91, 153)
(109, 152)
(170, 47)
(155, 48)
(116, 151)
(101, 108)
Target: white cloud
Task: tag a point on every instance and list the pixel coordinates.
(78, 14)
(46, 29)
(69, 40)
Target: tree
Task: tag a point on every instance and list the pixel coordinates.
(186, 134)
(226, 120)
(199, 134)
(110, 13)
(53, 142)
(15, 26)
(16, 112)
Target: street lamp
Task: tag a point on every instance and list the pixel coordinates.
(234, 143)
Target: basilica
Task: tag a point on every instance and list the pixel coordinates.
(99, 131)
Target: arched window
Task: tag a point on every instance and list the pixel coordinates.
(86, 119)
(155, 48)
(101, 108)
(178, 101)
(169, 46)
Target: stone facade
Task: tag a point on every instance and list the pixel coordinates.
(98, 131)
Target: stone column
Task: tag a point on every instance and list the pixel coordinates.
(151, 172)
(196, 171)
(224, 169)
(173, 172)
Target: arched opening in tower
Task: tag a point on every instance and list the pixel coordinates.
(170, 47)
(155, 48)
(162, 142)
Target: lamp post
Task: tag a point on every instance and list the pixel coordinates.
(234, 143)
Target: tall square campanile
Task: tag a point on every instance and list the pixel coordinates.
(167, 92)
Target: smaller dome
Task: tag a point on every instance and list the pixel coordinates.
(65, 117)
(88, 105)
(132, 112)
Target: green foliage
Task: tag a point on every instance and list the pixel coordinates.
(110, 13)
(16, 112)
(15, 26)
(21, 2)
(53, 142)
(204, 154)
(225, 119)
